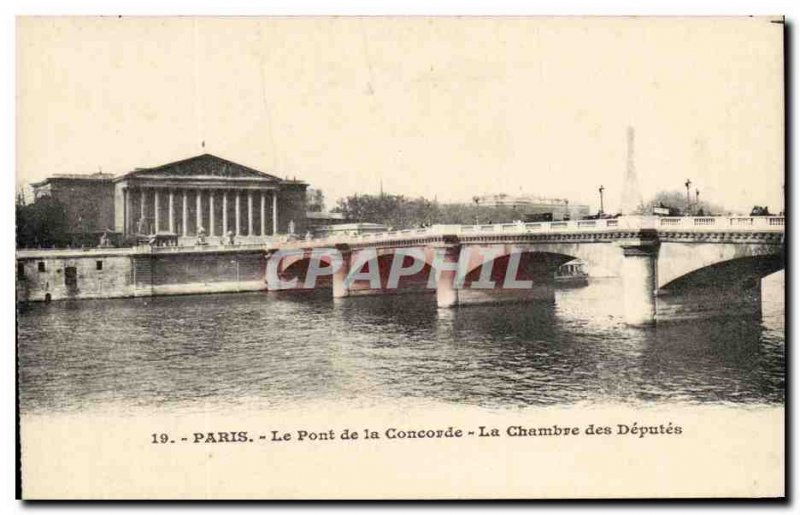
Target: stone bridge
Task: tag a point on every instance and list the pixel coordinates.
(670, 267)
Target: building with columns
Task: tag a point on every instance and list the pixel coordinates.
(210, 195)
(204, 193)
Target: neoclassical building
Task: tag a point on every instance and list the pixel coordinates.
(207, 193)
(204, 193)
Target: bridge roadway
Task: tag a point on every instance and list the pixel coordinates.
(670, 267)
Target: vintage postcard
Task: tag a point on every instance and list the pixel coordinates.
(400, 257)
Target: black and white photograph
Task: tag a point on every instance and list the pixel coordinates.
(400, 257)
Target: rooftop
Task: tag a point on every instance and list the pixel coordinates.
(97, 176)
(503, 198)
(200, 166)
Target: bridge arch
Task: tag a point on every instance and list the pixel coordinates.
(729, 287)
(520, 263)
(601, 259)
(681, 263)
(390, 270)
(737, 273)
(295, 266)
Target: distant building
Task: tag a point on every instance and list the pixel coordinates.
(318, 221)
(351, 229)
(536, 208)
(204, 193)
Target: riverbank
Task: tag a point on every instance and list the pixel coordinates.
(45, 275)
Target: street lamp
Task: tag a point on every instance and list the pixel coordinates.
(688, 185)
(477, 201)
(601, 190)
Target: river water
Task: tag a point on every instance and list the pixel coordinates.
(258, 350)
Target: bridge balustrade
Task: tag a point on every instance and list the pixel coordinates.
(684, 223)
(192, 248)
(737, 222)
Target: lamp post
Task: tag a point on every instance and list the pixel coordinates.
(601, 190)
(688, 185)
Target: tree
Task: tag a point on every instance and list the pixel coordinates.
(400, 212)
(392, 210)
(676, 202)
(42, 224)
(315, 200)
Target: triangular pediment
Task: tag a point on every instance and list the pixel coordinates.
(203, 166)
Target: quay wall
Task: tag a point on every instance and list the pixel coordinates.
(44, 275)
(52, 275)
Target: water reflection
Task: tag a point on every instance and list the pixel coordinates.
(205, 352)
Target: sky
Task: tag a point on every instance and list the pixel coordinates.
(437, 107)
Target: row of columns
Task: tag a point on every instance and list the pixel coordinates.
(131, 228)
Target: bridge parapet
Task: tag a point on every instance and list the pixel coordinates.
(724, 223)
(183, 249)
(608, 227)
(139, 249)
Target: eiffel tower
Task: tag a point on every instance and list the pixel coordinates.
(631, 196)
